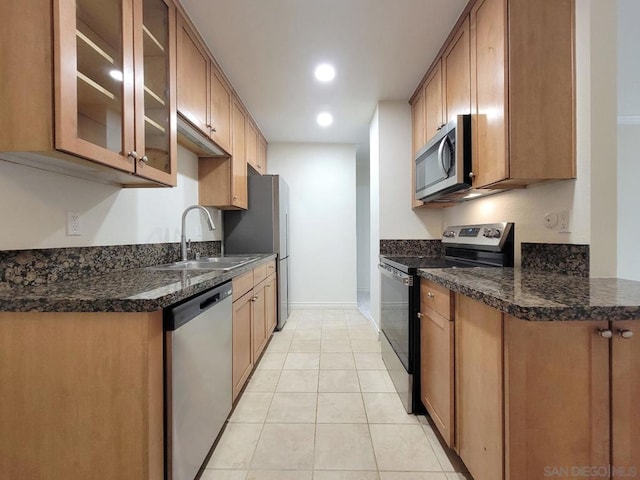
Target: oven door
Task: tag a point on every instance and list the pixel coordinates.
(398, 332)
(394, 311)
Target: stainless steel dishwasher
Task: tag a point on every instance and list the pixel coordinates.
(198, 381)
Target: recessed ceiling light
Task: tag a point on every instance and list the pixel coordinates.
(325, 72)
(324, 119)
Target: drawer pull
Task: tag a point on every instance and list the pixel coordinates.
(605, 333)
(430, 295)
(626, 334)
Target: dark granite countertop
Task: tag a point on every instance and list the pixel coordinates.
(532, 295)
(135, 290)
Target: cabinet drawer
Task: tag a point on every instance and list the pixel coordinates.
(271, 267)
(242, 284)
(259, 273)
(436, 297)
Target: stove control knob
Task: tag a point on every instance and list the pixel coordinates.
(449, 234)
(495, 233)
(486, 232)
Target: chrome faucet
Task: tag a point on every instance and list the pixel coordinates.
(183, 238)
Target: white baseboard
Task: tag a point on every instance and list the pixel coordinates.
(323, 306)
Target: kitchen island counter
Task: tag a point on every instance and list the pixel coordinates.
(135, 290)
(540, 296)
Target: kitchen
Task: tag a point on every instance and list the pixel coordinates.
(36, 201)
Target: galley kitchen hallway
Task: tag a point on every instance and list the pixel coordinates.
(321, 406)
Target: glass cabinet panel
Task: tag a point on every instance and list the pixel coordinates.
(99, 75)
(155, 45)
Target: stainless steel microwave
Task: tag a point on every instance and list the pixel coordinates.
(443, 165)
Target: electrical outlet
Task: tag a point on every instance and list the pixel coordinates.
(564, 221)
(550, 219)
(73, 226)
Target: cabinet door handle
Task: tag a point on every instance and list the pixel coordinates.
(472, 175)
(626, 334)
(605, 333)
(430, 295)
(144, 159)
(213, 129)
(133, 155)
(254, 299)
(419, 315)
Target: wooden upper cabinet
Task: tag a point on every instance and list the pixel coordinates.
(625, 421)
(239, 192)
(510, 64)
(489, 91)
(193, 77)
(418, 137)
(100, 89)
(456, 71)
(220, 111)
(542, 112)
(433, 101)
(251, 142)
(204, 99)
(262, 154)
(523, 96)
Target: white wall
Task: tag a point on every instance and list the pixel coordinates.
(33, 205)
(591, 197)
(362, 222)
(397, 219)
(628, 139)
(374, 216)
(322, 181)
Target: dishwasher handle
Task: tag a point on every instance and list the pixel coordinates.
(395, 274)
(181, 313)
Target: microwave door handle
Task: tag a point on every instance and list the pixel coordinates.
(444, 141)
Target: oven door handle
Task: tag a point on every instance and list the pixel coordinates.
(397, 275)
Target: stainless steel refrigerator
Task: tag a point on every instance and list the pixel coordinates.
(263, 228)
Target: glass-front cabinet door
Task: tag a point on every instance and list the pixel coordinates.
(114, 85)
(155, 90)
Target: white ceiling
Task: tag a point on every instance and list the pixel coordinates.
(269, 49)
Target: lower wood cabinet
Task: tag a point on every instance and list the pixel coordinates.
(625, 413)
(541, 399)
(437, 357)
(242, 343)
(479, 388)
(81, 393)
(271, 302)
(556, 397)
(254, 305)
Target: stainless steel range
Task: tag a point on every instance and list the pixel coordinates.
(485, 245)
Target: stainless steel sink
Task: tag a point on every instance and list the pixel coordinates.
(206, 263)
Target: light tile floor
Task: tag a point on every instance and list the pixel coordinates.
(321, 406)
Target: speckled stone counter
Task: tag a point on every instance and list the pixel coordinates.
(543, 296)
(136, 290)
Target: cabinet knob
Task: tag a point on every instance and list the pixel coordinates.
(430, 295)
(419, 315)
(472, 175)
(235, 197)
(254, 299)
(626, 334)
(144, 159)
(213, 129)
(133, 155)
(605, 333)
